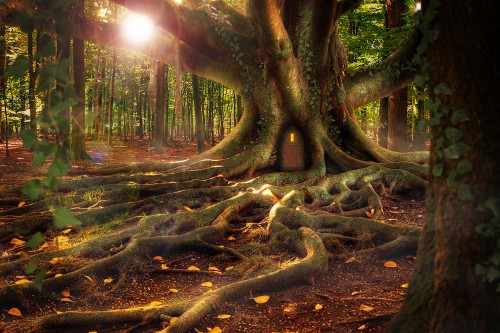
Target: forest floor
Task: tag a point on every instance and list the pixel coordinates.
(352, 296)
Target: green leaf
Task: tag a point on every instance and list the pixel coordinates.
(456, 150)
(464, 193)
(63, 218)
(480, 270)
(35, 240)
(29, 137)
(19, 67)
(459, 116)
(463, 166)
(451, 181)
(440, 142)
(48, 48)
(437, 170)
(43, 151)
(453, 134)
(26, 23)
(39, 279)
(57, 168)
(494, 205)
(492, 274)
(62, 71)
(33, 189)
(31, 268)
(442, 89)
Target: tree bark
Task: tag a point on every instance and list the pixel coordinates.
(112, 100)
(160, 108)
(197, 114)
(446, 295)
(78, 114)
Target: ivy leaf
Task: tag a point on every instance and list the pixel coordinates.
(437, 170)
(57, 168)
(18, 67)
(29, 137)
(456, 150)
(39, 278)
(459, 116)
(464, 193)
(453, 134)
(33, 189)
(442, 89)
(463, 166)
(451, 181)
(43, 151)
(48, 48)
(492, 274)
(35, 240)
(63, 218)
(31, 268)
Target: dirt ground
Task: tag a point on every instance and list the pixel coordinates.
(352, 296)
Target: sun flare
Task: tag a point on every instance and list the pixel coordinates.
(138, 29)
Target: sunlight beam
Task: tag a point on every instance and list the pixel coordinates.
(138, 29)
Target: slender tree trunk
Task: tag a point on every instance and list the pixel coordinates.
(32, 79)
(166, 107)
(78, 117)
(383, 119)
(112, 100)
(3, 47)
(98, 95)
(197, 114)
(63, 131)
(160, 107)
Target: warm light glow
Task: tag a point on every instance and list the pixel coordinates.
(292, 137)
(418, 6)
(138, 29)
(178, 1)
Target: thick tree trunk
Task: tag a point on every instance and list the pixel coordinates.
(446, 295)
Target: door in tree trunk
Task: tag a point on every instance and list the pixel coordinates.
(292, 156)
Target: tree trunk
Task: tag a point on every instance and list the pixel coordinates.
(397, 123)
(78, 116)
(32, 79)
(112, 100)
(446, 294)
(3, 47)
(383, 119)
(197, 114)
(160, 108)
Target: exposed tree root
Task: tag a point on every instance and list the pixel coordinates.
(183, 209)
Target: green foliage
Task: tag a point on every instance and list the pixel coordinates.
(31, 268)
(35, 240)
(63, 218)
(18, 67)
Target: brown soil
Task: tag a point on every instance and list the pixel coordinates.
(341, 291)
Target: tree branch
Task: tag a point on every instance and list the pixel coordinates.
(346, 6)
(324, 14)
(380, 80)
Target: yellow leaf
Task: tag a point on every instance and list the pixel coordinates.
(356, 293)
(58, 275)
(231, 238)
(22, 281)
(224, 316)
(89, 278)
(17, 242)
(405, 285)
(366, 308)
(390, 264)
(20, 276)
(65, 293)
(54, 261)
(229, 268)
(351, 259)
(207, 284)
(193, 268)
(66, 231)
(158, 258)
(175, 291)
(65, 299)
(213, 268)
(93, 332)
(155, 303)
(108, 280)
(15, 312)
(188, 209)
(318, 307)
(173, 319)
(43, 246)
(164, 266)
(370, 213)
(22, 203)
(362, 327)
(216, 329)
(261, 299)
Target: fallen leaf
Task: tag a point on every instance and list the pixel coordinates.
(366, 308)
(216, 329)
(224, 316)
(193, 268)
(93, 332)
(362, 327)
(20, 276)
(89, 278)
(164, 266)
(173, 319)
(54, 261)
(351, 259)
(58, 275)
(17, 242)
(65, 299)
(231, 238)
(405, 285)
(390, 264)
(15, 312)
(22, 203)
(229, 268)
(370, 213)
(261, 299)
(22, 281)
(43, 246)
(66, 231)
(158, 258)
(155, 303)
(318, 307)
(213, 268)
(356, 293)
(65, 293)
(173, 290)
(188, 209)
(108, 280)
(207, 284)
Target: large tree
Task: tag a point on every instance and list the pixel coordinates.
(285, 59)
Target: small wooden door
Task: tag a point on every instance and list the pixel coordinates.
(292, 151)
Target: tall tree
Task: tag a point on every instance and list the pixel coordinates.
(197, 114)
(159, 136)
(3, 49)
(446, 294)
